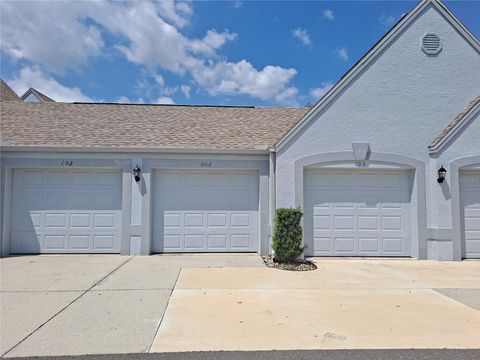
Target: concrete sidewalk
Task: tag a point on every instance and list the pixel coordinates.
(90, 304)
(344, 304)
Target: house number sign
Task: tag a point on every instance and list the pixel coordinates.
(360, 163)
(470, 180)
(206, 164)
(66, 163)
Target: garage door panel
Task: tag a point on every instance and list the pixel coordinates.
(343, 180)
(55, 220)
(368, 200)
(57, 178)
(26, 241)
(66, 211)
(369, 245)
(103, 242)
(368, 223)
(472, 223)
(343, 222)
(344, 199)
(202, 211)
(32, 177)
(31, 199)
(217, 242)
(322, 244)
(81, 200)
(54, 242)
(194, 220)
(172, 241)
(344, 244)
(241, 241)
(172, 220)
(352, 213)
(219, 220)
(393, 245)
(79, 220)
(470, 213)
(79, 242)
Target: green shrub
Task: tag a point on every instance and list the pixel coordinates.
(288, 234)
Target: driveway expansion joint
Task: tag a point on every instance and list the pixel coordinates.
(164, 311)
(66, 306)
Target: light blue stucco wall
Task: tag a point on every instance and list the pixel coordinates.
(398, 104)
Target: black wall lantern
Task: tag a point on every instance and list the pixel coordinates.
(136, 173)
(441, 174)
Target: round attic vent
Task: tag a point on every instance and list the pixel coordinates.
(431, 44)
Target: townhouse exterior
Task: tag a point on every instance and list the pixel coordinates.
(387, 163)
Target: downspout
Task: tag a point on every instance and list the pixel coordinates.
(272, 194)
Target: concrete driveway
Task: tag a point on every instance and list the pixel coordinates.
(91, 304)
(345, 303)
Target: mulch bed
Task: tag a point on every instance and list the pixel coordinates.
(304, 265)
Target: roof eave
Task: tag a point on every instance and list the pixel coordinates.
(261, 150)
(434, 148)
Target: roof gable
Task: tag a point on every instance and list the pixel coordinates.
(40, 97)
(457, 124)
(372, 55)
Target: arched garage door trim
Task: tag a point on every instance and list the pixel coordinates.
(419, 244)
(455, 167)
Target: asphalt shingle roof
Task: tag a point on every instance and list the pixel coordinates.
(6, 93)
(454, 123)
(143, 126)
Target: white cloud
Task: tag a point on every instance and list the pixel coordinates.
(177, 14)
(317, 93)
(342, 53)
(185, 89)
(387, 21)
(126, 100)
(34, 77)
(50, 34)
(237, 4)
(159, 79)
(302, 35)
(164, 100)
(122, 100)
(328, 14)
(148, 34)
(211, 42)
(241, 78)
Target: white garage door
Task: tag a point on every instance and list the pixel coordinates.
(200, 211)
(66, 211)
(357, 213)
(470, 212)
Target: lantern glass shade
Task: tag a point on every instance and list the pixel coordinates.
(136, 173)
(441, 174)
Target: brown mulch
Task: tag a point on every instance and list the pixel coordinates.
(304, 265)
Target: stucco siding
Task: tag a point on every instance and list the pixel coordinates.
(398, 104)
(466, 143)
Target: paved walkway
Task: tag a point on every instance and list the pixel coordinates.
(90, 304)
(345, 303)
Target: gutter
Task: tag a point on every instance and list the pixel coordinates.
(258, 150)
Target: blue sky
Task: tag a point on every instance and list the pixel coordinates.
(269, 53)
